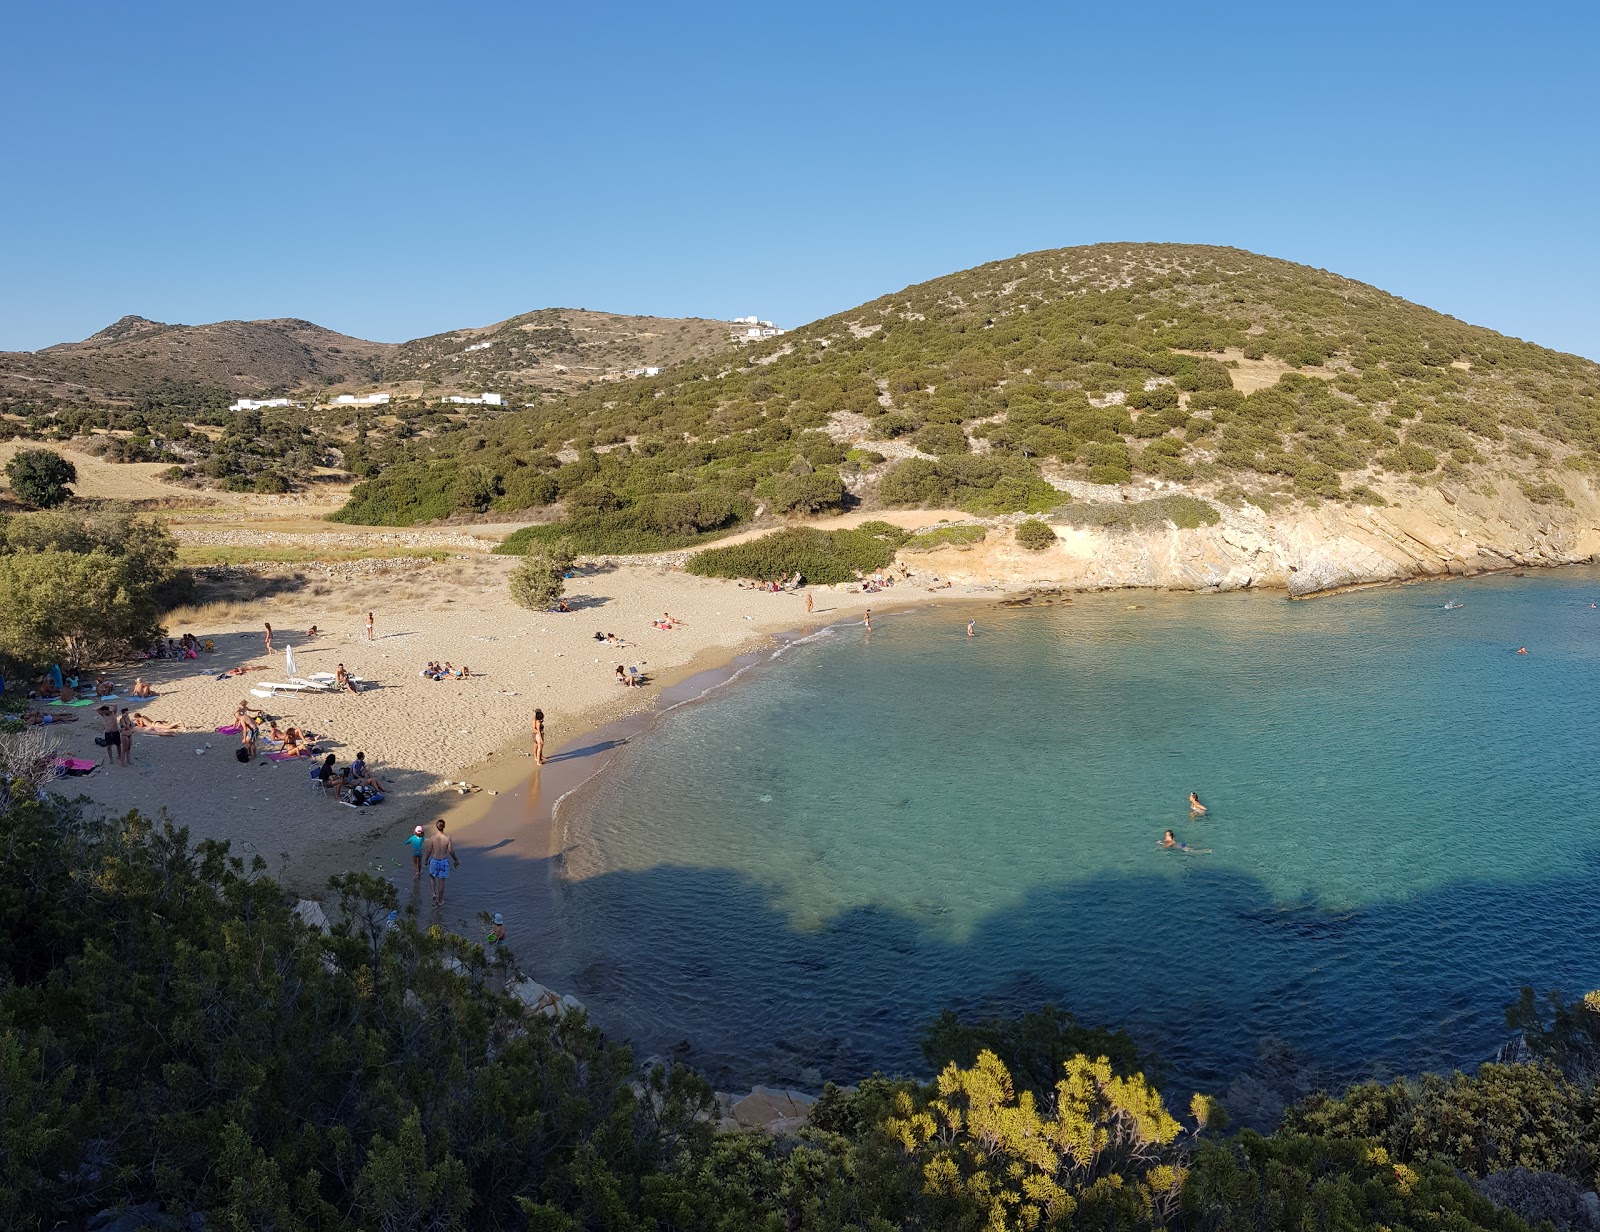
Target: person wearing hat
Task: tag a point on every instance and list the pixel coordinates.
(497, 931)
(414, 841)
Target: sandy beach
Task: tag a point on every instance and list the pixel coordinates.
(422, 738)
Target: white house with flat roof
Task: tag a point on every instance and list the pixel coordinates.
(486, 399)
(752, 329)
(257, 404)
(361, 400)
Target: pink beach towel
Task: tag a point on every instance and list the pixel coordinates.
(232, 729)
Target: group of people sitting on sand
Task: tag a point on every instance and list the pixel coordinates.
(775, 587)
(259, 732)
(437, 671)
(355, 785)
(186, 647)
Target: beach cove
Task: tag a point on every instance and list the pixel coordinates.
(785, 882)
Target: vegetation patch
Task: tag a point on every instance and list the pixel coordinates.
(1034, 535)
(959, 536)
(819, 557)
(1184, 512)
(1545, 492)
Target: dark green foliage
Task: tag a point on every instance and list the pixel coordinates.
(39, 477)
(1033, 1045)
(170, 1032)
(120, 571)
(1297, 1183)
(1034, 535)
(820, 557)
(1562, 1033)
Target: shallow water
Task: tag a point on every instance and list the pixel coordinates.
(793, 876)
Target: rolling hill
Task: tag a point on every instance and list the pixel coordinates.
(1006, 387)
(539, 353)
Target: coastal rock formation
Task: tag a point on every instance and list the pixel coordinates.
(1305, 550)
(770, 1109)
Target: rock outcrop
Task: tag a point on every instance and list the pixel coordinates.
(1436, 532)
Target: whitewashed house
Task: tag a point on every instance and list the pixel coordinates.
(361, 400)
(257, 404)
(486, 399)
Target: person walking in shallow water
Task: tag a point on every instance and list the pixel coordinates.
(538, 737)
(439, 853)
(866, 619)
(971, 632)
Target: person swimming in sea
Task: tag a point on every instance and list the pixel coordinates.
(1522, 650)
(1170, 840)
(1196, 809)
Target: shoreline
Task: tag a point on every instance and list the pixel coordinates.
(518, 812)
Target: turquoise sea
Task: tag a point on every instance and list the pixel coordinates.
(789, 878)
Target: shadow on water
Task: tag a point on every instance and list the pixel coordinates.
(711, 970)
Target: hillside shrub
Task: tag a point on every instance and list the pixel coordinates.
(1184, 512)
(959, 536)
(820, 557)
(39, 478)
(1545, 492)
(1034, 535)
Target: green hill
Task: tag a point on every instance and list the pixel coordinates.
(1211, 368)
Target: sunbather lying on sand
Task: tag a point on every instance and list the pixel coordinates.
(36, 718)
(156, 727)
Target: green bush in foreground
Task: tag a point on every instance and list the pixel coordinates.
(172, 1034)
(39, 477)
(540, 580)
(1034, 535)
(821, 557)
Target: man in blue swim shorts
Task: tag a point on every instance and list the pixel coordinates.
(439, 853)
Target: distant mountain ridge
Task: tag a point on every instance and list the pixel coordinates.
(544, 352)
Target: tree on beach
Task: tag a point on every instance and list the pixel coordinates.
(540, 580)
(39, 478)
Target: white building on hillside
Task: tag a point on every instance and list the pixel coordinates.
(486, 399)
(642, 372)
(752, 329)
(256, 404)
(361, 400)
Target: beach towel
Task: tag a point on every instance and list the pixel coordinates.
(82, 701)
(283, 756)
(232, 729)
(74, 766)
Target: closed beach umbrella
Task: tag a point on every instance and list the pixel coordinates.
(288, 659)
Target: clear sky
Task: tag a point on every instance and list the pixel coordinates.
(396, 169)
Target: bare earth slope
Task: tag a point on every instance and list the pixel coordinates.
(135, 356)
(547, 351)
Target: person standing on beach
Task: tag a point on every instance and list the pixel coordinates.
(125, 732)
(414, 842)
(538, 736)
(808, 603)
(269, 637)
(112, 738)
(440, 853)
(370, 623)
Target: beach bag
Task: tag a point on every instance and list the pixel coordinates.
(242, 753)
(101, 741)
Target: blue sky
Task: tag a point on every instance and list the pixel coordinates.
(398, 169)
